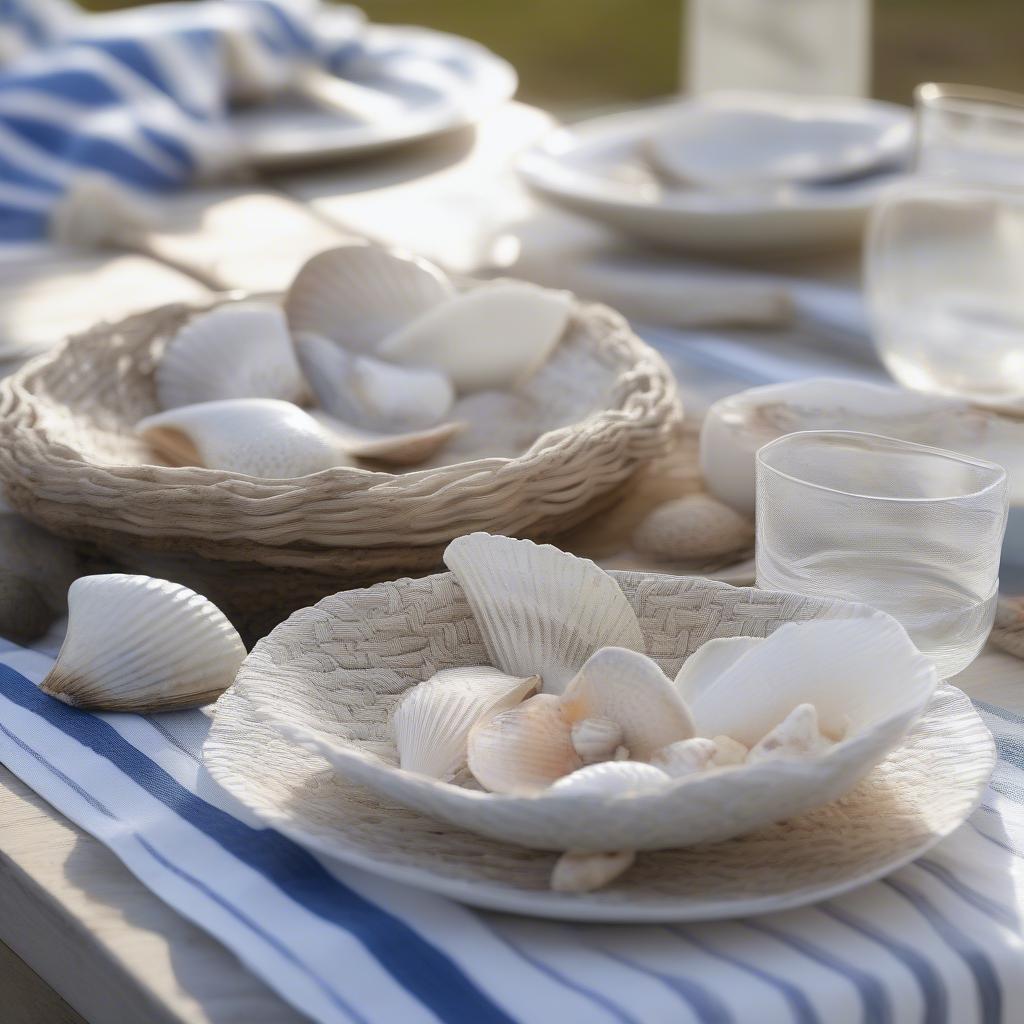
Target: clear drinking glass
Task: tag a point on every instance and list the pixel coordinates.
(912, 530)
(944, 283)
(967, 133)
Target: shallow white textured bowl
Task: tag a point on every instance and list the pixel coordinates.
(922, 791)
(598, 168)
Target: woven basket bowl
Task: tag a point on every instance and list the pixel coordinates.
(261, 548)
(329, 678)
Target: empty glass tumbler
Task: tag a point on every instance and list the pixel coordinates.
(912, 530)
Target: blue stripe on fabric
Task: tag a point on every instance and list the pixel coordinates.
(301, 41)
(990, 994)
(988, 906)
(172, 146)
(933, 988)
(18, 225)
(425, 971)
(133, 55)
(335, 997)
(706, 1005)
(14, 174)
(87, 88)
(873, 997)
(803, 1011)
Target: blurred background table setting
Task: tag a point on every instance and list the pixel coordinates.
(722, 294)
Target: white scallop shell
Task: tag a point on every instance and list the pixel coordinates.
(255, 436)
(370, 393)
(523, 750)
(685, 757)
(613, 779)
(584, 872)
(597, 739)
(236, 351)
(796, 736)
(408, 449)
(357, 295)
(693, 527)
(431, 725)
(538, 606)
(703, 668)
(135, 643)
(495, 336)
(737, 426)
(630, 689)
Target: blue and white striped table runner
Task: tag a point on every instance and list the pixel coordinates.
(939, 941)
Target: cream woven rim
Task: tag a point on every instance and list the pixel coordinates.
(69, 461)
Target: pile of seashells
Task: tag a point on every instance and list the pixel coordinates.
(574, 708)
(383, 342)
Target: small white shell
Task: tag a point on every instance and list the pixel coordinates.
(597, 739)
(539, 609)
(577, 871)
(255, 436)
(407, 449)
(236, 351)
(357, 295)
(796, 736)
(630, 689)
(728, 752)
(494, 336)
(685, 757)
(135, 643)
(612, 778)
(523, 750)
(431, 724)
(694, 527)
(369, 393)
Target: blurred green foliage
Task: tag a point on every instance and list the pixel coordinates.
(577, 54)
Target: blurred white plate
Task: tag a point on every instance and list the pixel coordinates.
(600, 169)
(429, 82)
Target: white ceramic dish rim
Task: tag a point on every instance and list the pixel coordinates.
(489, 81)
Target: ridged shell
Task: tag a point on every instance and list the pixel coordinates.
(369, 393)
(495, 336)
(431, 725)
(537, 606)
(523, 750)
(796, 736)
(685, 757)
(597, 739)
(135, 643)
(255, 436)
(630, 689)
(691, 528)
(612, 778)
(821, 663)
(236, 351)
(357, 295)
(584, 872)
(407, 449)
(709, 662)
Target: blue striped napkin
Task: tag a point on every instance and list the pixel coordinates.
(139, 96)
(939, 941)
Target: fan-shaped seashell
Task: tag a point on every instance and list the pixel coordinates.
(577, 871)
(597, 739)
(685, 757)
(255, 436)
(736, 427)
(495, 336)
(796, 736)
(823, 663)
(135, 643)
(408, 449)
(728, 752)
(370, 393)
(357, 295)
(431, 724)
(691, 528)
(537, 606)
(523, 750)
(235, 351)
(709, 662)
(612, 778)
(630, 689)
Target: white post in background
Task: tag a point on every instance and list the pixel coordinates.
(801, 46)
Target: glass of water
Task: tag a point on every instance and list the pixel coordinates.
(912, 530)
